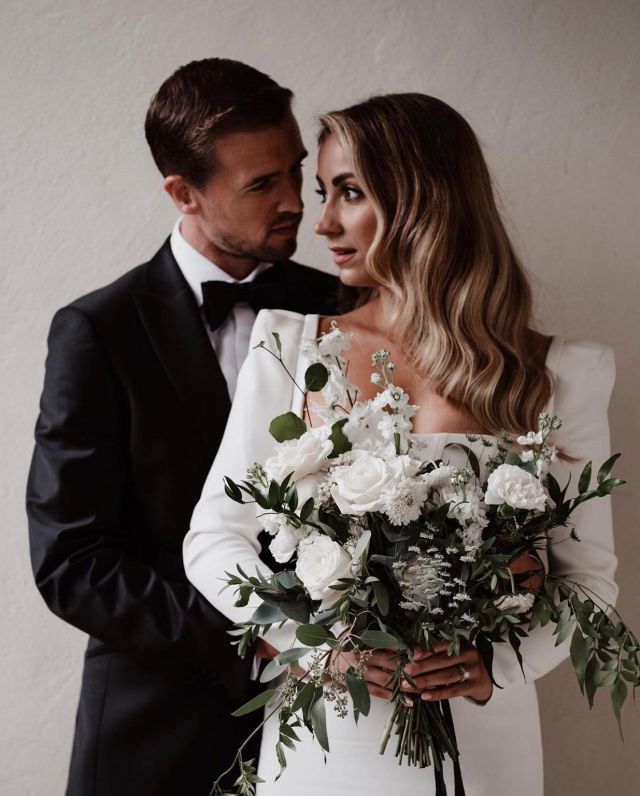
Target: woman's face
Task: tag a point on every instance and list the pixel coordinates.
(348, 220)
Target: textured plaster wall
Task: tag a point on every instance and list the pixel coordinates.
(550, 86)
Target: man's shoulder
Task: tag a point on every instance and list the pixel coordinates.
(120, 293)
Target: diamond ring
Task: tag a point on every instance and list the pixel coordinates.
(465, 674)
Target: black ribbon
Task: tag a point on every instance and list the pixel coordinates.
(457, 773)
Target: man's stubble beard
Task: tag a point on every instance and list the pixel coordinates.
(262, 253)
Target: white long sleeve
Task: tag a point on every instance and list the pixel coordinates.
(584, 373)
(223, 533)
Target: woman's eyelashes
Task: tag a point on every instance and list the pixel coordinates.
(348, 192)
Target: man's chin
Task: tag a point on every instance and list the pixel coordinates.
(283, 251)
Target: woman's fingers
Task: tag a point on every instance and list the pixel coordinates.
(442, 677)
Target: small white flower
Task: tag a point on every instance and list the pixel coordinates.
(510, 484)
(519, 603)
(532, 438)
(527, 456)
(376, 378)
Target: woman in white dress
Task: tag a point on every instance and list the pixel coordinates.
(409, 213)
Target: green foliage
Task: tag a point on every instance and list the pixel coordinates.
(316, 377)
(340, 440)
(287, 426)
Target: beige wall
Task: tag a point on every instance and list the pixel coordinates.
(551, 87)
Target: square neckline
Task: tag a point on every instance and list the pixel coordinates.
(310, 328)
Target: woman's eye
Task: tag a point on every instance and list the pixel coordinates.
(322, 194)
(351, 194)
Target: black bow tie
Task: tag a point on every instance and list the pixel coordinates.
(265, 292)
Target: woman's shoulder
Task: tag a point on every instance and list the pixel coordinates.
(584, 373)
(573, 360)
(283, 322)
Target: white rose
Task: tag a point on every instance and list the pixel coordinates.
(361, 486)
(302, 456)
(284, 543)
(321, 561)
(519, 489)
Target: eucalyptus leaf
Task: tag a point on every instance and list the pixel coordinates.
(377, 639)
(291, 655)
(287, 426)
(257, 702)
(271, 671)
(266, 614)
(316, 377)
(359, 693)
(313, 635)
(318, 717)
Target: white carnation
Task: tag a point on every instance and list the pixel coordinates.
(510, 484)
(321, 561)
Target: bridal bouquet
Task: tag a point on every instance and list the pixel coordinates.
(385, 549)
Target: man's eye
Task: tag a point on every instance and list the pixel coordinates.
(322, 194)
(262, 185)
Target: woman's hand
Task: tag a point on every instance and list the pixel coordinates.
(380, 667)
(441, 676)
(528, 563)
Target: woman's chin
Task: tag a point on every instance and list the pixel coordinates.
(355, 277)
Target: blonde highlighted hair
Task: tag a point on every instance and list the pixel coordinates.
(461, 301)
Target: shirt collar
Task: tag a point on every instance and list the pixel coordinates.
(196, 268)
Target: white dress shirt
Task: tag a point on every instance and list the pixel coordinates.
(230, 341)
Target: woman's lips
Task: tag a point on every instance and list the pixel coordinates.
(342, 256)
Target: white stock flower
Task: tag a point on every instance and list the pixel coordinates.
(321, 561)
(284, 543)
(519, 603)
(362, 485)
(510, 484)
(361, 426)
(302, 456)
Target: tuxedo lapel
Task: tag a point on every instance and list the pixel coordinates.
(172, 321)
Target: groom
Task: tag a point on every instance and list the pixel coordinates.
(139, 380)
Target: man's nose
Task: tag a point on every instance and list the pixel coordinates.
(291, 198)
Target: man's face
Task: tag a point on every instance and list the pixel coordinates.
(251, 207)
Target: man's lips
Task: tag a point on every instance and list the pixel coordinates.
(341, 254)
(291, 227)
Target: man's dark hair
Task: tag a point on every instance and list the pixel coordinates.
(203, 101)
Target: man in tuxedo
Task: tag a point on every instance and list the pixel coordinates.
(139, 379)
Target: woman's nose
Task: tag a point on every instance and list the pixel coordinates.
(327, 223)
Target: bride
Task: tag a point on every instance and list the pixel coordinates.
(410, 217)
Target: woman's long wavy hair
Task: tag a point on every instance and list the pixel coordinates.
(461, 302)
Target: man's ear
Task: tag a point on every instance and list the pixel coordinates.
(183, 195)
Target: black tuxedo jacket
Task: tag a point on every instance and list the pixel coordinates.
(132, 412)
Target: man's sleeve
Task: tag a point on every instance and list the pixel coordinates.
(79, 524)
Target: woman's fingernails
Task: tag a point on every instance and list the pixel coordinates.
(426, 695)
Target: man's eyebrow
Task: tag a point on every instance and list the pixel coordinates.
(269, 175)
